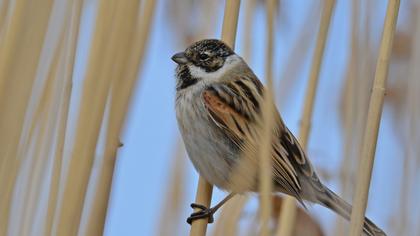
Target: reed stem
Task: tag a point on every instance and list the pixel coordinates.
(373, 120)
(204, 189)
(288, 214)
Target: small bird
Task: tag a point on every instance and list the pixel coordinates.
(218, 109)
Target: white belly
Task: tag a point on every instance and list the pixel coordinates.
(209, 150)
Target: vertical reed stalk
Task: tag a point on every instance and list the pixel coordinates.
(230, 215)
(204, 189)
(124, 24)
(4, 6)
(70, 46)
(89, 121)
(288, 214)
(129, 66)
(43, 139)
(248, 29)
(41, 116)
(349, 113)
(412, 118)
(174, 195)
(373, 120)
(298, 53)
(264, 152)
(9, 40)
(20, 49)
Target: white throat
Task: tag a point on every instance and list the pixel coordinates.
(230, 62)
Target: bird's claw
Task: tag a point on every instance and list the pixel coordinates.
(203, 213)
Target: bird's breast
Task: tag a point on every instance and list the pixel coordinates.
(206, 145)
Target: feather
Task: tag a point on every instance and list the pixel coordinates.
(234, 107)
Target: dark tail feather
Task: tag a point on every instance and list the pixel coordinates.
(341, 207)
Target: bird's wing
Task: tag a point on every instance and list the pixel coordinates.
(300, 165)
(234, 106)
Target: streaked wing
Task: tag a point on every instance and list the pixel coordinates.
(234, 106)
(299, 160)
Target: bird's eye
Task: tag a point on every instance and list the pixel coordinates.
(203, 56)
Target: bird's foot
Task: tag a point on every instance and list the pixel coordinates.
(203, 213)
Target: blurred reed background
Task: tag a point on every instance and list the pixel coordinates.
(88, 137)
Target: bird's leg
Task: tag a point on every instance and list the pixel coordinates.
(205, 212)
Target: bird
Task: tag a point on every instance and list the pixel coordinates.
(218, 106)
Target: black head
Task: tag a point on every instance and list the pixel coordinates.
(208, 54)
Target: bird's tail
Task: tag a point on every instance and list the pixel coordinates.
(341, 207)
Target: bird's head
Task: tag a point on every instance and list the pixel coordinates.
(203, 60)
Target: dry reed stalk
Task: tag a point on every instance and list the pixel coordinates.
(89, 120)
(68, 59)
(38, 200)
(227, 223)
(174, 195)
(364, 80)
(298, 53)
(4, 6)
(248, 29)
(8, 60)
(349, 113)
(415, 149)
(414, 136)
(44, 118)
(37, 149)
(268, 122)
(204, 189)
(252, 227)
(401, 98)
(121, 92)
(42, 112)
(124, 25)
(287, 216)
(305, 225)
(373, 120)
(411, 105)
(230, 22)
(205, 24)
(203, 197)
(19, 52)
(10, 33)
(229, 216)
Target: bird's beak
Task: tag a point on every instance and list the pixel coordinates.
(180, 58)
